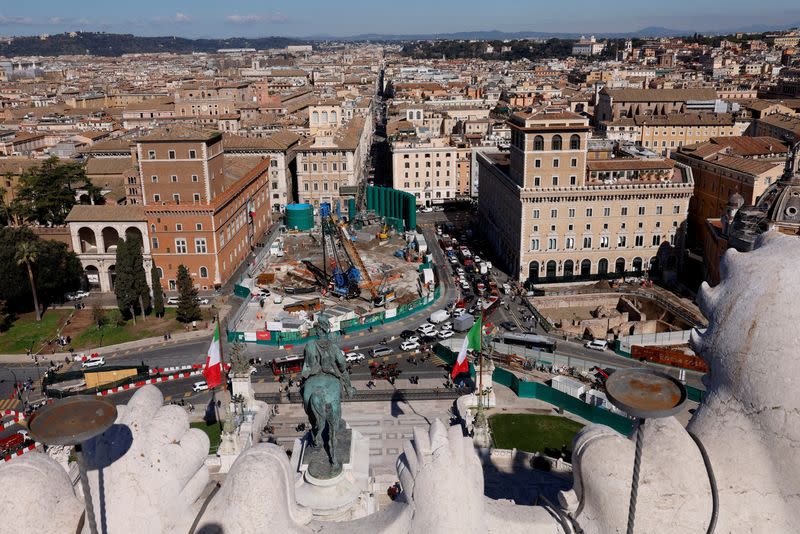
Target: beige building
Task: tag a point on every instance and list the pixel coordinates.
(427, 169)
(553, 216)
(324, 118)
(326, 163)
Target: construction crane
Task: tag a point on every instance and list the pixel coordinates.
(343, 281)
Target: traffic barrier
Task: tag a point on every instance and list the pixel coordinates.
(22, 451)
(135, 385)
(18, 416)
(162, 370)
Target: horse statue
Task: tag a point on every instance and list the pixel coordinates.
(325, 374)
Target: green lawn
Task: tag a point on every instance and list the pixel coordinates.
(214, 432)
(533, 433)
(25, 332)
(112, 333)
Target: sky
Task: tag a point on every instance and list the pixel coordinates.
(299, 18)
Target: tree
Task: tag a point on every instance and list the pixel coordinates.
(99, 316)
(5, 316)
(158, 293)
(130, 285)
(135, 248)
(47, 192)
(27, 254)
(188, 307)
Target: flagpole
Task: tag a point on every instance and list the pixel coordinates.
(480, 365)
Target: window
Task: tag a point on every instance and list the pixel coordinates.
(173, 285)
(173, 178)
(641, 210)
(573, 180)
(314, 167)
(538, 143)
(572, 213)
(200, 245)
(195, 178)
(179, 227)
(570, 243)
(156, 198)
(537, 163)
(604, 241)
(180, 246)
(555, 180)
(676, 209)
(575, 142)
(555, 163)
(534, 244)
(552, 243)
(192, 154)
(151, 154)
(535, 214)
(196, 197)
(587, 242)
(624, 210)
(656, 240)
(154, 179)
(659, 210)
(171, 154)
(176, 197)
(155, 242)
(638, 241)
(606, 212)
(556, 142)
(537, 181)
(621, 240)
(203, 272)
(344, 166)
(198, 226)
(588, 212)
(553, 214)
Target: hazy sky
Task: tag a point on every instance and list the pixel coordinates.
(250, 18)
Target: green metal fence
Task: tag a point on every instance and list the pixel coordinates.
(536, 390)
(348, 326)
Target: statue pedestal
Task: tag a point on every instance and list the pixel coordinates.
(241, 385)
(334, 494)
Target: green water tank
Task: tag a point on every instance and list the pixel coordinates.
(299, 217)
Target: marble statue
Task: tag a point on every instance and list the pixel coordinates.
(326, 377)
(147, 471)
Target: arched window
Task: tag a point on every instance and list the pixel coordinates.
(533, 271)
(637, 264)
(619, 266)
(315, 117)
(551, 270)
(333, 116)
(419, 115)
(575, 142)
(556, 143)
(569, 269)
(160, 272)
(602, 267)
(538, 143)
(325, 117)
(586, 268)
(203, 272)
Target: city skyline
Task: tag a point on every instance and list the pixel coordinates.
(316, 18)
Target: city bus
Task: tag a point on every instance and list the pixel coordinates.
(287, 365)
(529, 341)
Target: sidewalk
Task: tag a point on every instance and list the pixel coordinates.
(141, 344)
(402, 382)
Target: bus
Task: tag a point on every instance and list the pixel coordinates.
(287, 365)
(529, 341)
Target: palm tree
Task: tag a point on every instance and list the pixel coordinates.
(28, 253)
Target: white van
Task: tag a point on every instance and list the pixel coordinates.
(597, 344)
(381, 350)
(439, 316)
(93, 362)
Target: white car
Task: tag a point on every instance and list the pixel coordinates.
(354, 357)
(413, 339)
(173, 300)
(478, 259)
(460, 270)
(202, 300)
(453, 260)
(458, 312)
(200, 386)
(426, 329)
(445, 334)
(597, 344)
(278, 299)
(464, 285)
(93, 362)
(446, 326)
(409, 345)
(426, 209)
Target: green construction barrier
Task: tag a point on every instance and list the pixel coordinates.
(241, 291)
(542, 392)
(393, 204)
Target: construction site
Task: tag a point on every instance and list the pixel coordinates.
(336, 271)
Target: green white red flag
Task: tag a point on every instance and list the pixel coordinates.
(471, 342)
(213, 369)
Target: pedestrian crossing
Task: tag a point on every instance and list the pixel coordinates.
(9, 404)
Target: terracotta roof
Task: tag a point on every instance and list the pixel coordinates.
(660, 95)
(179, 133)
(105, 213)
(685, 119)
(278, 141)
(751, 146)
(744, 165)
(623, 164)
(17, 166)
(96, 166)
(111, 145)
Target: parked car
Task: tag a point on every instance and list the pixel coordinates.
(76, 295)
(200, 386)
(354, 357)
(93, 362)
(426, 328)
(413, 339)
(446, 326)
(202, 300)
(173, 300)
(405, 334)
(597, 344)
(426, 209)
(445, 334)
(409, 345)
(381, 350)
(278, 299)
(508, 325)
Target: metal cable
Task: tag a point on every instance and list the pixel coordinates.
(712, 482)
(637, 462)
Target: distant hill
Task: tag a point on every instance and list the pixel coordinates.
(111, 44)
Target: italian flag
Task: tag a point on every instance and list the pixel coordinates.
(213, 369)
(471, 342)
